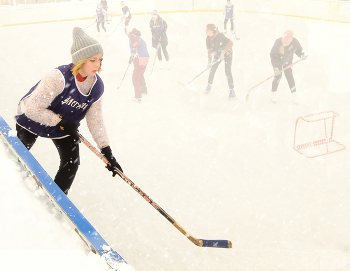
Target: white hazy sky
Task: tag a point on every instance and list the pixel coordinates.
(222, 170)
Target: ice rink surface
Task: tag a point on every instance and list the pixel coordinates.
(221, 169)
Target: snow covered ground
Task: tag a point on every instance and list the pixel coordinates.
(222, 170)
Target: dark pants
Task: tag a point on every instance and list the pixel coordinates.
(165, 52)
(288, 74)
(68, 151)
(102, 24)
(225, 23)
(138, 79)
(228, 72)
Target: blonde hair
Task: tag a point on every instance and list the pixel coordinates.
(75, 69)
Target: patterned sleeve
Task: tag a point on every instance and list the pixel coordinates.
(37, 103)
(94, 120)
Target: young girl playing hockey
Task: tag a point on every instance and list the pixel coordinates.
(54, 107)
(139, 57)
(158, 28)
(219, 49)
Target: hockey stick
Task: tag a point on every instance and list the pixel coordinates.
(115, 28)
(90, 25)
(124, 75)
(156, 54)
(197, 242)
(129, 65)
(234, 28)
(182, 84)
(247, 97)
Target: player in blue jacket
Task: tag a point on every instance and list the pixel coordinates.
(229, 12)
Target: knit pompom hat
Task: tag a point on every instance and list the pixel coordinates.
(288, 36)
(83, 46)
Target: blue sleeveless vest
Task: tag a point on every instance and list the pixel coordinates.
(100, 17)
(141, 48)
(229, 12)
(71, 104)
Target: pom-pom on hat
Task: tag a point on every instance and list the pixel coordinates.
(154, 13)
(83, 46)
(288, 36)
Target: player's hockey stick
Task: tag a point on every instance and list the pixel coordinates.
(234, 29)
(124, 75)
(128, 65)
(182, 84)
(197, 242)
(90, 25)
(115, 28)
(156, 54)
(247, 97)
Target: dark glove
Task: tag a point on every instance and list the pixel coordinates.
(107, 152)
(131, 58)
(70, 128)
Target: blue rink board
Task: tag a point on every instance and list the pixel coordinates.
(72, 212)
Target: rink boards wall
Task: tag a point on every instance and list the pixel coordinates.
(55, 12)
(81, 226)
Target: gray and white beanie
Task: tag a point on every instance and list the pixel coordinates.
(83, 46)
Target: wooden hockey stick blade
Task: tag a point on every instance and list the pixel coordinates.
(182, 84)
(197, 242)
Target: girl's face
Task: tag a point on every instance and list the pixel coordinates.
(209, 32)
(91, 66)
(154, 18)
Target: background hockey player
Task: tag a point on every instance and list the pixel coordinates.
(219, 49)
(54, 107)
(101, 18)
(158, 28)
(229, 13)
(281, 55)
(126, 13)
(139, 57)
(104, 5)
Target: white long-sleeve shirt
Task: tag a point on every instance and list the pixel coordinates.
(36, 105)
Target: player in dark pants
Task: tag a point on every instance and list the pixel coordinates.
(219, 49)
(68, 150)
(158, 28)
(281, 55)
(229, 13)
(56, 105)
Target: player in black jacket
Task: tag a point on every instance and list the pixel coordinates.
(219, 49)
(126, 13)
(281, 55)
